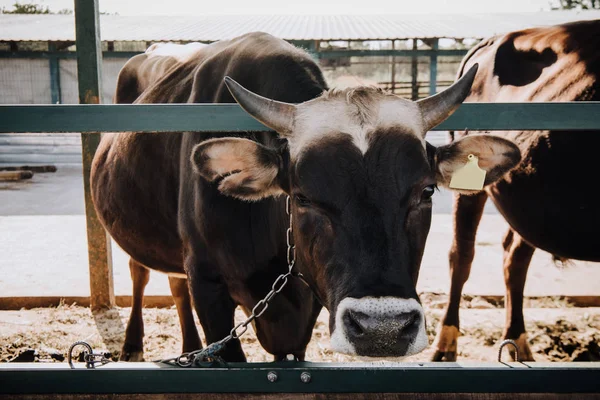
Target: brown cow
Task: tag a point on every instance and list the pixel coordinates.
(355, 164)
(139, 73)
(540, 198)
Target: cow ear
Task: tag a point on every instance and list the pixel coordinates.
(243, 168)
(496, 156)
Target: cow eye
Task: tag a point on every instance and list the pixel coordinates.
(302, 200)
(427, 193)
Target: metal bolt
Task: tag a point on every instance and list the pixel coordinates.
(305, 377)
(272, 376)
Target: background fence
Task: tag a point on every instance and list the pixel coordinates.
(51, 78)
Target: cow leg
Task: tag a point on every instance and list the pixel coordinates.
(216, 311)
(183, 302)
(517, 257)
(213, 304)
(133, 348)
(467, 213)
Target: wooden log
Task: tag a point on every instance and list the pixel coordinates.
(12, 176)
(29, 302)
(32, 168)
(166, 301)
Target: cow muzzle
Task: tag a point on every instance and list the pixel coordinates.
(379, 327)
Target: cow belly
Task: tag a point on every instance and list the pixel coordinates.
(549, 199)
(136, 201)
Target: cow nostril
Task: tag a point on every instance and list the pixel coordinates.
(409, 320)
(408, 324)
(353, 327)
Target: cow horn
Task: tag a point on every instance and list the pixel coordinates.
(276, 115)
(437, 108)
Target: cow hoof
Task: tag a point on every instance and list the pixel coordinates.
(446, 343)
(444, 356)
(525, 353)
(135, 356)
(131, 353)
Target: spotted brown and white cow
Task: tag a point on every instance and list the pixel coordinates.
(211, 207)
(541, 198)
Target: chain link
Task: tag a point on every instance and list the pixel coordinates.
(90, 358)
(209, 354)
(291, 247)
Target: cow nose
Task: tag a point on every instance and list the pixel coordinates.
(381, 335)
(359, 324)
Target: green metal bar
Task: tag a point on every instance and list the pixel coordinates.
(310, 46)
(393, 80)
(313, 49)
(63, 54)
(319, 54)
(414, 72)
(397, 53)
(433, 69)
(87, 32)
(231, 118)
(53, 61)
(324, 378)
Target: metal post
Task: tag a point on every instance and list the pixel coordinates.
(53, 61)
(313, 49)
(414, 72)
(393, 81)
(433, 68)
(87, 31)
(310, 46)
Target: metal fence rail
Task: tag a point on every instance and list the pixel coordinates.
(231, 118)
(148, 378)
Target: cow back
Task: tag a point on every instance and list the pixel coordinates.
(541, 198)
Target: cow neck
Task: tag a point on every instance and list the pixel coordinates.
(291, 251)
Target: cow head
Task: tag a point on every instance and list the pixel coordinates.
(360, 175)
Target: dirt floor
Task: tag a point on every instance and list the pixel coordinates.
(557, 332)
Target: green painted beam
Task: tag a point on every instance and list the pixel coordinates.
(320, 54)
(324, 378)
(433, 64)
(230, 117)
(54, 64)
(414, 72)
(397, 53)
(89, 68)
(63, 54)
(89, 54)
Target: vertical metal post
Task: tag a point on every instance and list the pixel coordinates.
(414, 72)
(433, 68)
(313, 49)
(393, 81)
(55, 92)
(89, 53)
(310, 46)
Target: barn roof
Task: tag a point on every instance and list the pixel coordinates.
(301, 27)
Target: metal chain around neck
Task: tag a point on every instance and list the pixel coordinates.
(209, 354)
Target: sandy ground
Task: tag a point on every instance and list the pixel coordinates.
(557, 332)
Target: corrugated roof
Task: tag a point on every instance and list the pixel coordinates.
(302, 27)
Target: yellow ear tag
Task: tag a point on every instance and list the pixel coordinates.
(469, 176)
